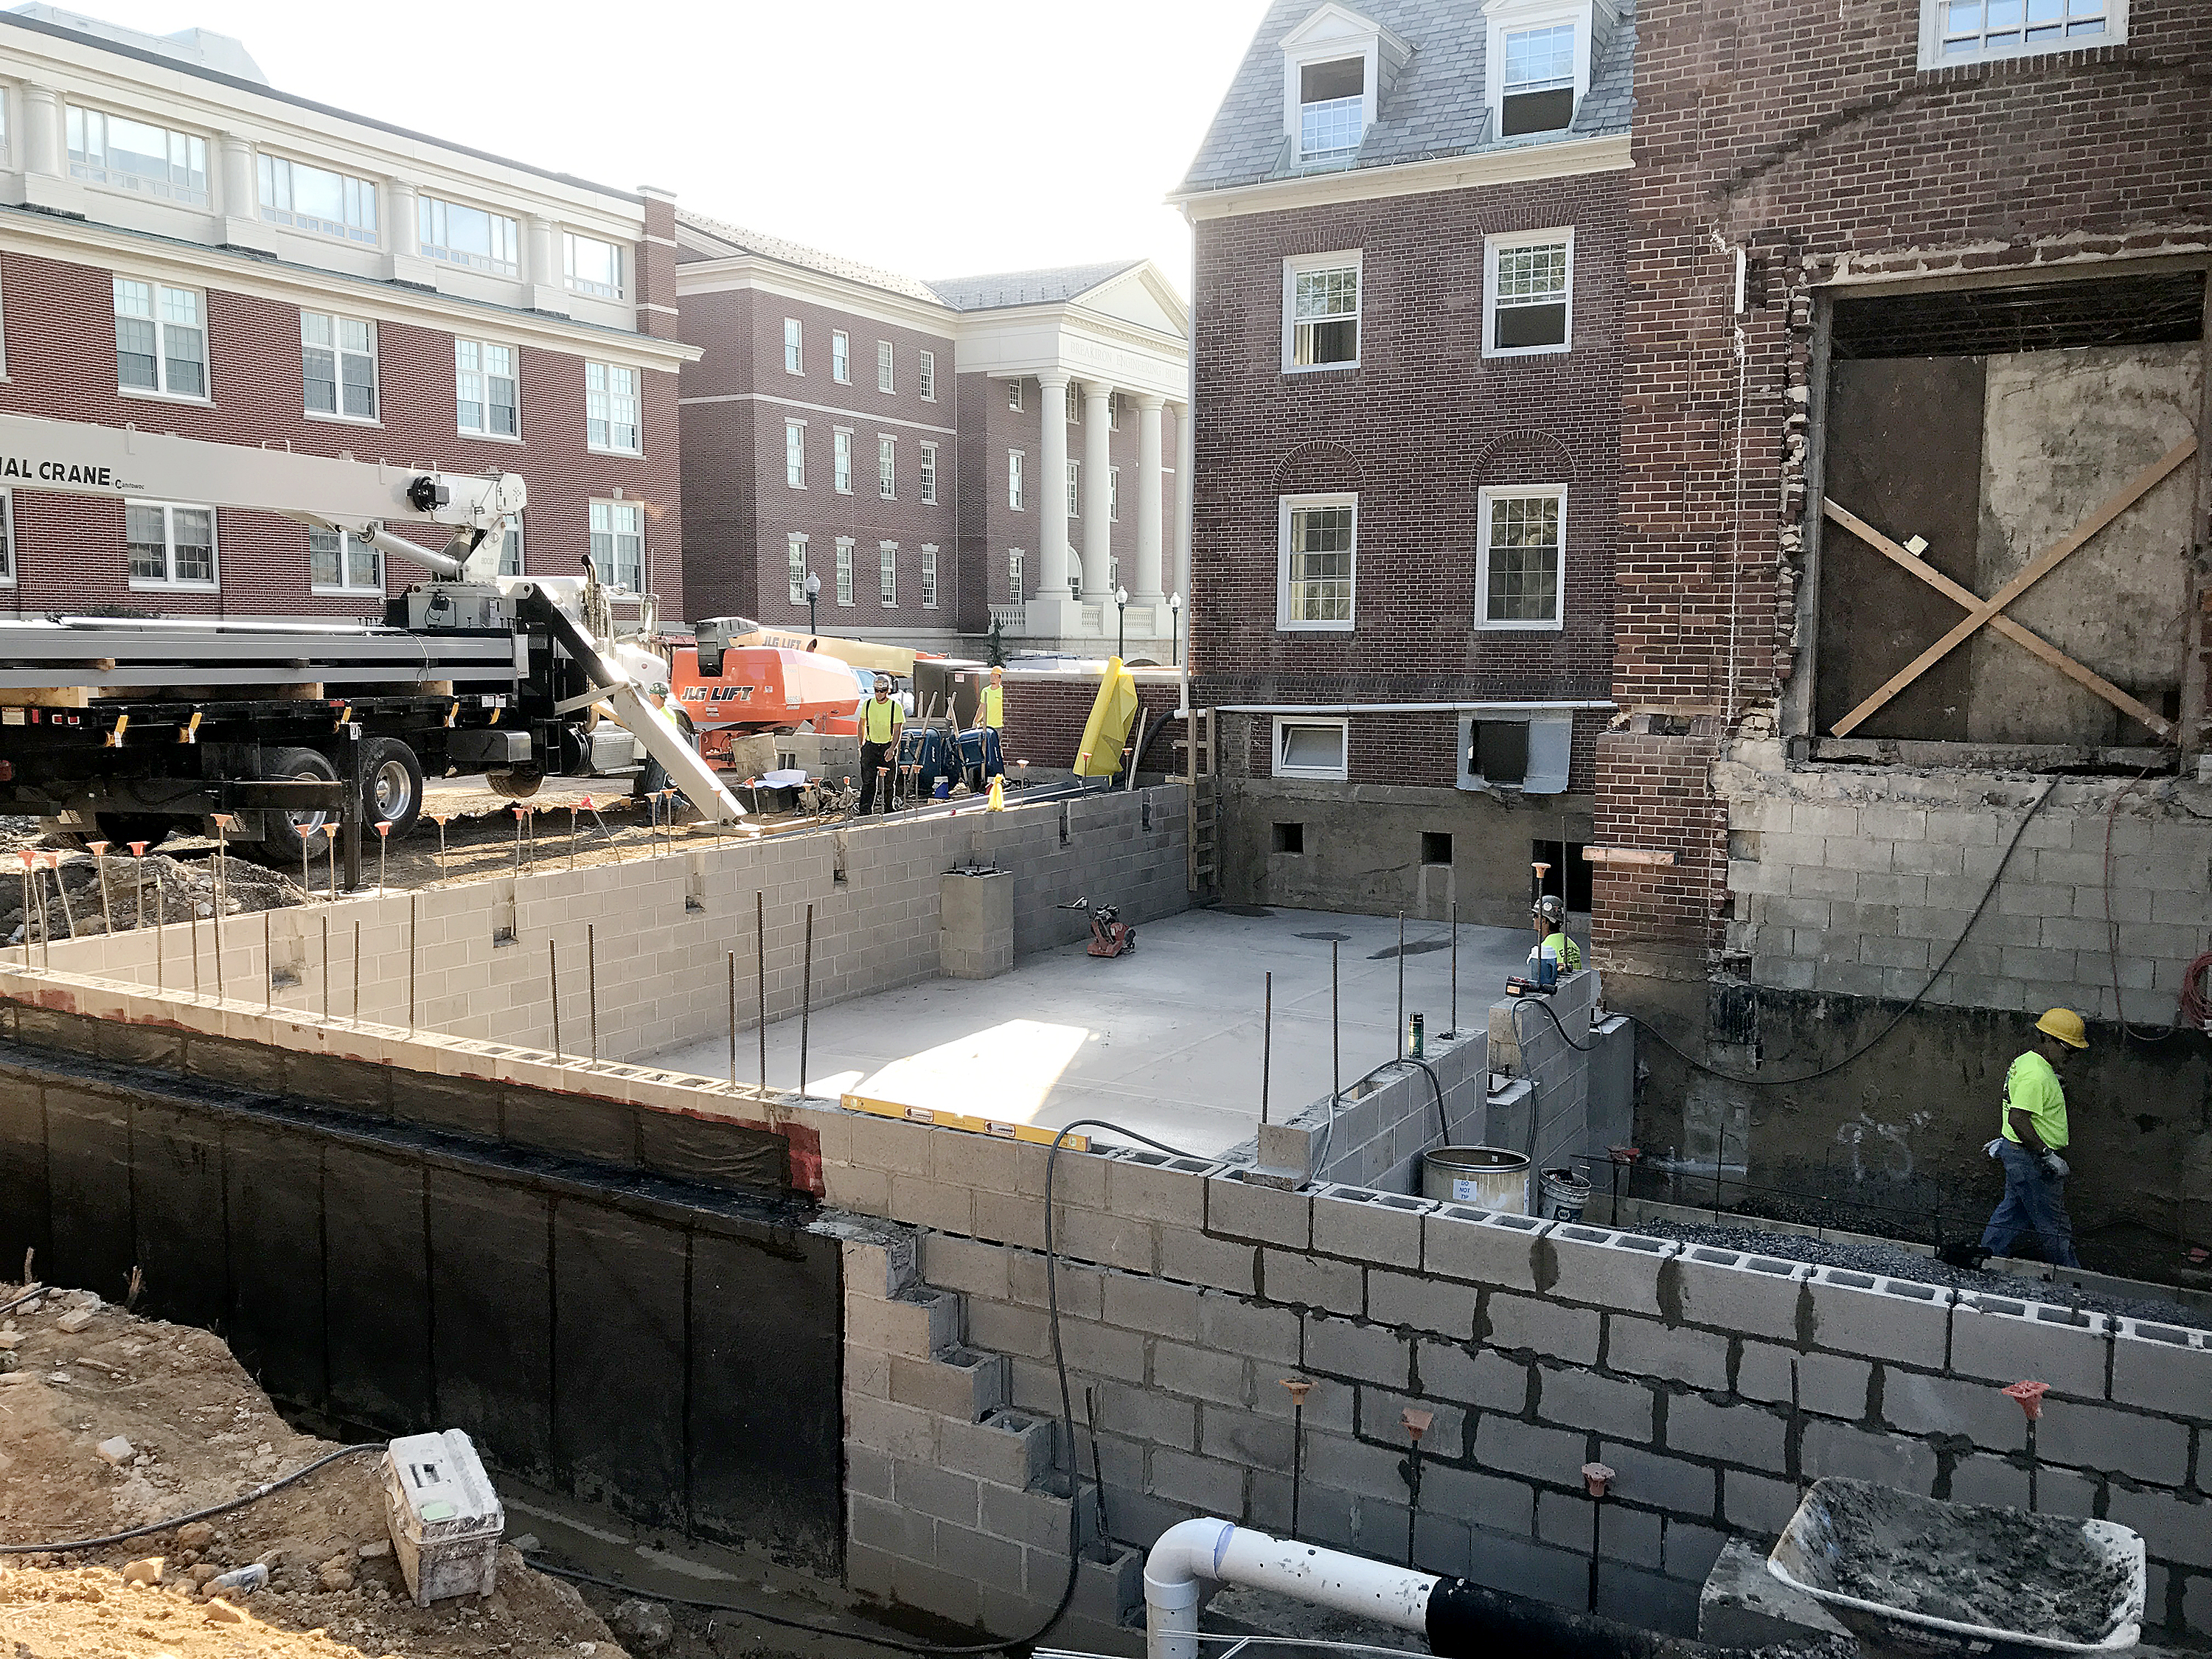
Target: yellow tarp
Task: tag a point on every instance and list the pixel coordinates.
(1107, 729)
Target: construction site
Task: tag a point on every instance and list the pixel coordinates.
(1449, 1112)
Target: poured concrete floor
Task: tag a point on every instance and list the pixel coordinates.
(1166, 1041)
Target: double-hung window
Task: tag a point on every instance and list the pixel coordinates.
(841, 455)
(161, 339)
(1014, 396)
(840, 357)
(929, 579)
(1075, 489)
(485, 389)
(339, 561)
(1530, 295)
(1523, 533)
(127, 154)
(1318, 543)
(468, 236)
(798, 560)
(1331, 108)
(794, 454)
(1015, 590)
(887, 468)
(887, 557)
(314, 198)
(1014, 480)
(844, 570)
(1964, 31)
(611, 409)
(928, 485)
(886, 368)
(592, 266)
(338, 363)
(794, 342)
(7, 538)
(1075, 402)
(1538, 91)
(1320, 293)
(925, 377)
(172, 545)
(618, 544)
(1113, 495)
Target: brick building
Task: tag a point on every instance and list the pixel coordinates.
(892, 438)
(1915, 313)
(1409, 223)
(184, 247)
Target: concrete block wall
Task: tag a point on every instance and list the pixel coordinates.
(1550, 1119)
(1858, 879)
(663, 927)
(1714, 1385)
(1379, 1130)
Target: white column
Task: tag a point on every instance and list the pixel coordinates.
(402, 230)
(42, 131)
(241, 190)
(1147, 589)
(1186, 474)
(1098, 461)
(1050, 489)
(541, 265)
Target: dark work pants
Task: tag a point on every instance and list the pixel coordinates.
(2033, 1203)
(873, 755)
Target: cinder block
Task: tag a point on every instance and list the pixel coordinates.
(1009, 1447)
(1879, 1318)
(1550, 1454)
(1159, 1187)
(1473, 1376)
(1258, 1442)
(1579, 1399)
(1203, 1483)
(1245, 1209)
(886, 1426)
(948, 1494)
(893, 1530)
(1980, 1478)
(916, 1325)
(1828, 1383)
(1660, 1482)
(959, 1383)
(1569, 1521)
(1102, 1350)
(1225, 1378)
(1117, 1241)
(2160, 1367)
(1612, 1269)
(1152, 1305)
(1644, 1347)
(1918, 1404)
(1380, 1228)
(1353, 1466)
(1421, 1304)
(1523, 1323)
(965, 1265)
(1699, 1427)
(1194, 1259)
(1305, 1281)
(1734, 1291)
(1482, 1247)
(2175, 1528)
(1236, 1325)
(1753, 1503)
(2005, 1341)
(1525, 1567)
(1891, 1460)
(1362, 1352)
(1037, 1519)
(2107, 1440)
(1629, 1535)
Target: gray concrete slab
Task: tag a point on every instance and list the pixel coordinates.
(1167, 1041)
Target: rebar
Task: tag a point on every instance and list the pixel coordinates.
(805, 999)
(192, 924)
(307, 882)
(69, 916)
(591, 982)
(356, 973)
(330, 845)
(1402, 985)
(553, 990)
(1454, 968)
(1266, 1043)
(161, 931)
(733, 1020)
(27, 913)
(414, 926)
(268, 961)
(326, 967)
(1335, 1053)
(106, 910)
(383, 846)
(760, 948)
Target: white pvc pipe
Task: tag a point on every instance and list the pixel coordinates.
(1218, 1552)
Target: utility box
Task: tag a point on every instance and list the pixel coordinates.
(445, 1518)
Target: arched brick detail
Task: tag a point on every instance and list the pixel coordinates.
(1316, 468)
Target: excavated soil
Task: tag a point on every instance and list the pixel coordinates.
(199, 1432)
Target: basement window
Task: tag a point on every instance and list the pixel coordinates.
(1435, 847)
(1310, 749)
(1290, 838)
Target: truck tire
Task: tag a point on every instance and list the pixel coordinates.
(395, 785)
(515, 786)
(288, 832)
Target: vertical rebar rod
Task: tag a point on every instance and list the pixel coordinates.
(1402, 985)
(591, 982)
(326, 966)
(330, 841)
(1266, 1043)
(805, 999)
(69, 916)
(552, 987)
(1454, 968)
(760, 950)
(27, 913)
(1335, 1053)
(160, 933)
(106, 910)
(734, 1020)
(1297, 1461)
(414, 927)
(218, 933)
(269, 959)
(356, 973)
(192, 924)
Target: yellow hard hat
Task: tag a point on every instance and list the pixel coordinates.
(2066, 1025)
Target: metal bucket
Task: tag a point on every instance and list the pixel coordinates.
(1490, 1177)
(1566, 1195)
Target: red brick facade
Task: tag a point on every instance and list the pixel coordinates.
(1817, 145)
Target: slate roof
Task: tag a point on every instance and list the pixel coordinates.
(1435, 108)
(1027, 288)
(736, 239)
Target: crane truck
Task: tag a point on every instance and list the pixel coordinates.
(131, 728)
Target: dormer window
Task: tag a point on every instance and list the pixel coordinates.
(1540, 58)
(1332, 104)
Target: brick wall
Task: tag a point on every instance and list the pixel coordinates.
(71, 550)
(1046, 715)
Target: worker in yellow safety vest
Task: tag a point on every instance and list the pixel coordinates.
(880, 718)
(1551, 915)
(995, 701)
(2032, 1134)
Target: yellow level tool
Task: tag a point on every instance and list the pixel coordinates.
(996, 1128)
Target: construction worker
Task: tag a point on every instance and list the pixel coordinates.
(2031, 1136)
(880, 718)
(654, 778)
(995, 701)
(1551, 913)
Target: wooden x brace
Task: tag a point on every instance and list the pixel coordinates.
(1980, 610)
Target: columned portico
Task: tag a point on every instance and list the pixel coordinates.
(1148, 588)
(1050, 489)
(1097, 516)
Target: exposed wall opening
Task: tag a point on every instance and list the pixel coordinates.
(1435, 847)
(1569, 875)
(1499, 752)
(1290, 838)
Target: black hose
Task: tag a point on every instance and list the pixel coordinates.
(1467, 1621)
(176, 1521)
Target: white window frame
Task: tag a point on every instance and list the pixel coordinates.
(1492, 246)
(1306, 264)
(1551, 747)
(484, 405)
(928, 484)
(339, 353)
(887, 574)
(345, 586)
(159, 390)
(794, 346)
(165, 189)
(796, 562)
(1113, 494)
(1075, 402)
(268, 171)
(841, 356)
(795, 453)
(607, 399)
(886, 366)
(428, 206)
(1338, 50)
(886, 466)
(928, 576)
(584, 285)
(1113, 411)
(1075, 489)
(1017, 582)
(170, 583)
(1933, 14)
(1484, 498)
(8, 560)
(1014, 396)
(606, 568)
(1284, 622)
(1285, 724)
(1017, 483)
(510, 551)
(925, 377)
(1506, 17)
(844, 570)
(841, 460)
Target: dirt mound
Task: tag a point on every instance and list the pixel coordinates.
(65, 901)
(124, 1421)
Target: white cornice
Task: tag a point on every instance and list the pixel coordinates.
(1518, 164)
(78, 241)
(766, 276)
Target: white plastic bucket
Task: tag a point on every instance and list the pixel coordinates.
(1565, 1195)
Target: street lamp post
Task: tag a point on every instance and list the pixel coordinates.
(1122, 623)
(1175, 610)
(813, 592)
